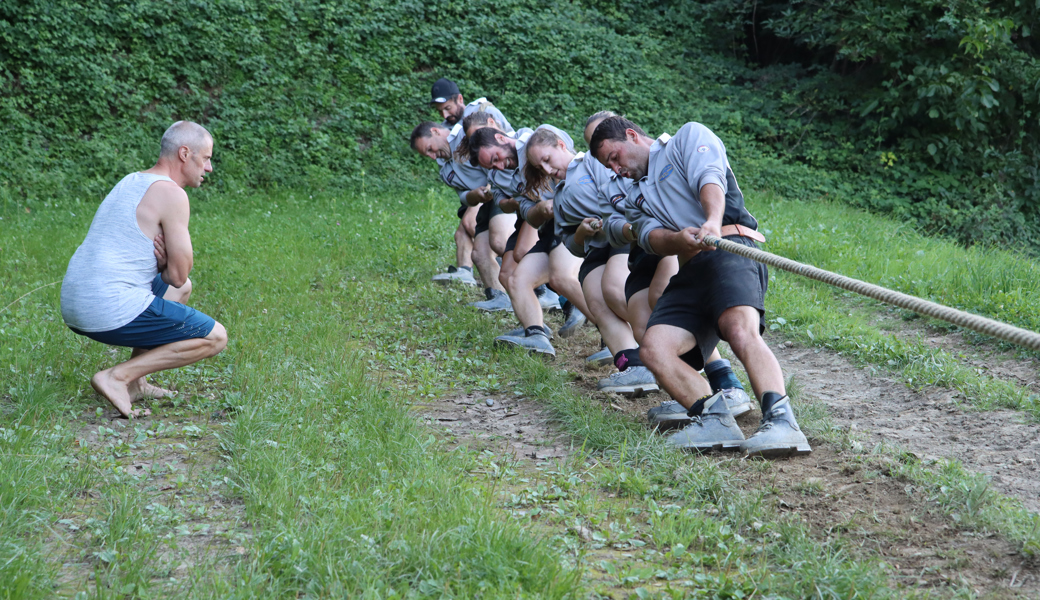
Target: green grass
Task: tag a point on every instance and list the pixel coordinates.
(1000, 285)
(334, 333)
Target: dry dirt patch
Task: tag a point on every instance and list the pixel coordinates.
(834, 492)
(932, 423)
(175, 468)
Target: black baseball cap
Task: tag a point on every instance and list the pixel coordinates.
(443, 90)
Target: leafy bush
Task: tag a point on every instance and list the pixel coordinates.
(924, 109)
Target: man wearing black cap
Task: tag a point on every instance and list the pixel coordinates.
(447, 100)
(449, 103)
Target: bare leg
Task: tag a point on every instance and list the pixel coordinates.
(614, 278)
(668, 267)
(639, 313)
(616, 332)
(505, 274)
(660, 352)
(532, 272)
(500, 228)
(739, 326)
(485, 261)
(563, 277)
(463, 247)
(525, 240)
(114, 383)
(140, 388)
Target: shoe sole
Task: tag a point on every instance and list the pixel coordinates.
(631, 391)
(740, 409)
(665, 424)
(449, 281)
(780, 451)
(491, 310)
(726, 446)
(508, 344)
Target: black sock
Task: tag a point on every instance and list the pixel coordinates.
(540, 290)
(489, 293)
(536, 330)
(721, 376)
(769, 399)
(698, 407)
(626, 359)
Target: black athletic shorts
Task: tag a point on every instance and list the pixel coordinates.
(597, 257)
(462, 210)
(704, 288)
(488, 211)
(547, 240)
(641, 270)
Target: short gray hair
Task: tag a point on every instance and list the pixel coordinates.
(183, 133)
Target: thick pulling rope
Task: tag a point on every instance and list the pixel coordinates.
(1008, 333)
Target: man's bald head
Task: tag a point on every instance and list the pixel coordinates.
(183, 134)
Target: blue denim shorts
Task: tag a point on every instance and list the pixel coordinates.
(163, 322)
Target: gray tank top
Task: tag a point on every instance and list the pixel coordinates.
(109, 279)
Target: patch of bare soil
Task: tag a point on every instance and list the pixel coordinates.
(172, 460)
(855, 496)
(835, 492)
(1003, 444)
(516, 425)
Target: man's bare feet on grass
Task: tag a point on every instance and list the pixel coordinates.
(117, 393)
(140, 389)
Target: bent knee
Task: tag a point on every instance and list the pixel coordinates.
(218, 339)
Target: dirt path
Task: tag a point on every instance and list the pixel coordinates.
(932, 423)
(172, 459)
(831, 490)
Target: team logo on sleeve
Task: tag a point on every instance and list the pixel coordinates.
(451, 176)
(639, 201)
(616, 198)
(666, 172)
(585, 180)
(520, 187)
(702, 149)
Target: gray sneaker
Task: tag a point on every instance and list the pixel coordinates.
(778, 436)
(538, 342)
(457, 275)
(714, 429)
(498, 301)
(549, 300)
(519, 332)
(633, 382)
(575, 319)
(669, 415)
(737, 401)
(600, 359)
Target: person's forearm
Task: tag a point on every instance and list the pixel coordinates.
(666, 242)
(538, 214)
(713, 201)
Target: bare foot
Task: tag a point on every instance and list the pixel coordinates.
(140, 389)
(115, 392)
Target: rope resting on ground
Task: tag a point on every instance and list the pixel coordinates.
(1008, 333)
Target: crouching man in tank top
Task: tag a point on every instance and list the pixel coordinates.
(126, 285)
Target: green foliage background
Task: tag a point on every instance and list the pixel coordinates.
(924, 108)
